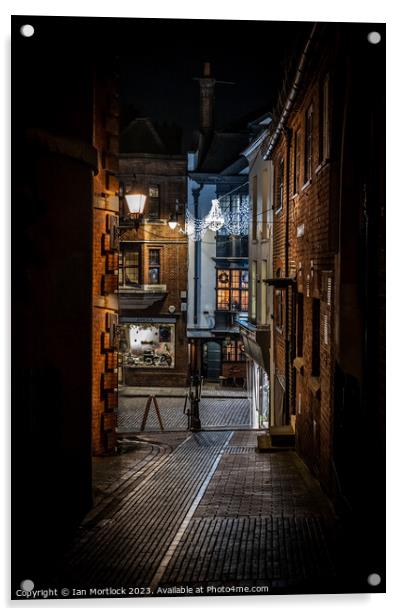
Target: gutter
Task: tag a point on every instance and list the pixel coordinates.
(293, 93)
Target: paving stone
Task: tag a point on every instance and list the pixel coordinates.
(217, 412)
(262, 520)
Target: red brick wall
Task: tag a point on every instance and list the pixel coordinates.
(169, 172)
(104, 267)
(311, 261)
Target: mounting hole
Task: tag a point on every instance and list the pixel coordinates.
(374, 579)
(374, 38)
(27, 585)
(27, 30)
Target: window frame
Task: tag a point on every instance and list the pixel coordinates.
(296, 163)
(241, 290)
(281, 187)
(308, 144)
(154, 266)
(278, 313)
(324, 149)
(123, 267)
(154, 201)
(236, 352)
(254, 220)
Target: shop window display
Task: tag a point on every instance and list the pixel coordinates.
(148, 345)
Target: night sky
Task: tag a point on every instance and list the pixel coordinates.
(157, 72)
(157, 61)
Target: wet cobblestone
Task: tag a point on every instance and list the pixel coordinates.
(214, 413)
(259, 519)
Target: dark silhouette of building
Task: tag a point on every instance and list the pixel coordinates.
(62, 195)
(327, 148)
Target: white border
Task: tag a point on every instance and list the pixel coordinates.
(341, 10)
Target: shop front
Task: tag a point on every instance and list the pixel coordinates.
(148, 353)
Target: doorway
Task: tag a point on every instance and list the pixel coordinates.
(211, 360)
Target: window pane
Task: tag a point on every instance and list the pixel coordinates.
(236, 279)
(132, 258)
(223, 299)
(154, 257)
(153, 275)
(223, 279)
(153, 191)
(132, 275)
(235, 304)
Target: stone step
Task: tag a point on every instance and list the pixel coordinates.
(279, 437)
(282, 436)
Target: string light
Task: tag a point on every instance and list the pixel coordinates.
(232, 217)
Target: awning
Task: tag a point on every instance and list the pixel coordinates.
(144, 319)
(280, 282)
(257, 344)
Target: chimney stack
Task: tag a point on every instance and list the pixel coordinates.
(207, 100)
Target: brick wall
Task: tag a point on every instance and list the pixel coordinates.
(104, 265)
(307, 209)
(169, 173)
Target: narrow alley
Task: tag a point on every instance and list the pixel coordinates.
(199, 357)
(205, 511)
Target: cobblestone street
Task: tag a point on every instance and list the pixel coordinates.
(206, 509)
(214, 413)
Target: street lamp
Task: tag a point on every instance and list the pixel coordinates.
(136, 204)
(174, 217)
(133, 197)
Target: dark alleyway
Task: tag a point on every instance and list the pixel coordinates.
(207, 510)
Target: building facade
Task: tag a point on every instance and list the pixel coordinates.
(218, 265)
(153, 262)
(105, 262)
(328, 263)
(257, 329)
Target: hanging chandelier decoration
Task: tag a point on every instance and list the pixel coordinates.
(215, 219)
(226, 215)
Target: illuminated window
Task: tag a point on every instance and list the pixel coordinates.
(234, 351)
(148, 345)
(232, 290)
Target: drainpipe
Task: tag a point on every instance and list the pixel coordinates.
(293, 93)
(197, 257)
(288, 138)
(197, 270)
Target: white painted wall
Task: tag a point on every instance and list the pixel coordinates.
(207, 295)
(260, 250)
